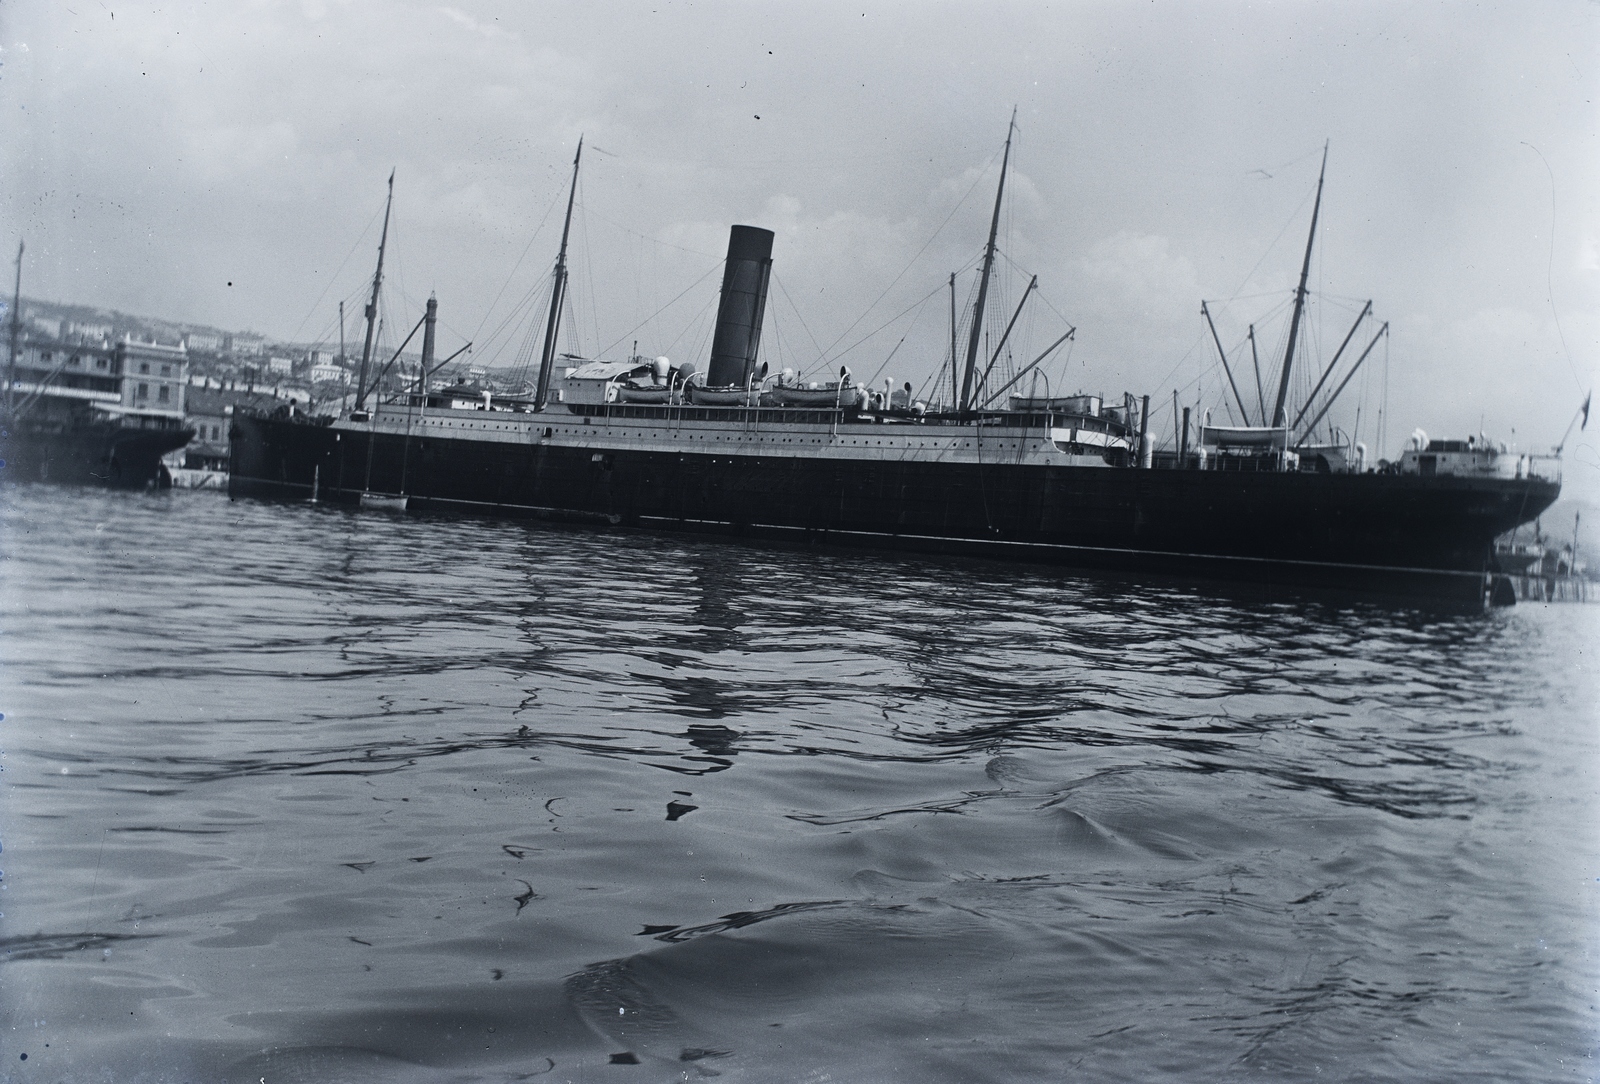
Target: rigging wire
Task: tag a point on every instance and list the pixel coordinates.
(914, 305)
(626, 334)
(411, 304)
(655, 241)
(574, 342)
(694, 323)
(803, 325)
(588, 262)
(1040, 294)
(1550, 290)
(1182, 361)
(522, 360)
(873, 379)
(777, 341)
(397, 280)
(1383, 411)
(1366, 386)
(1225, 304)
(702, 347)
(522, 311)
(326, 334)
(1267, 251)
(921, 306)
(517, 266)
(959, 204)
(335, 277)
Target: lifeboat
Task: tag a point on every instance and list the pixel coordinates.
(733, 395)
(645, 393)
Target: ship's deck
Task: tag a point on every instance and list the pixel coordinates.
(767, 431)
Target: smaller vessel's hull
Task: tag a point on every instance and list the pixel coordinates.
(88, 453)
(383, 502)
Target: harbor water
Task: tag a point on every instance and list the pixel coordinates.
(300, 793)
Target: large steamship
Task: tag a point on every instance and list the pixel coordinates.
(1072, 481)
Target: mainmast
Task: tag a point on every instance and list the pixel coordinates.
(372, 306)
(1299, 300)
(558, 290)
(16, 327)
(988, 266)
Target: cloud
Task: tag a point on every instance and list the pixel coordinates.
(487, 30)
(1139, 274)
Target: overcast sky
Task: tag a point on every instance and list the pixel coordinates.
(225, 164)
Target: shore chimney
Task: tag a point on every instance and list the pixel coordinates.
(429, 319)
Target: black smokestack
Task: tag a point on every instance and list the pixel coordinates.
(744, 300)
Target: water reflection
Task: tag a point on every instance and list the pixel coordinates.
(427, 783)
(1006, 659)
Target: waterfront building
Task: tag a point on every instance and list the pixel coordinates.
(325, 371)
(154, 377)
(246, 345)
(210, 413)
(73, 331)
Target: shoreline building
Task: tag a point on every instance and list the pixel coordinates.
(94, 413)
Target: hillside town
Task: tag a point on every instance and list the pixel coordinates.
(157, 374)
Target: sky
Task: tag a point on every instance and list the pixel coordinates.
(225, 164)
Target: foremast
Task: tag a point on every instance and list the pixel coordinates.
(558, 290)
(372, 306)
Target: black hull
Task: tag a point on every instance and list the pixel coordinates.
(1393, 534)
(103, 454)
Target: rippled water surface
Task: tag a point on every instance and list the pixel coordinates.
(300, 794)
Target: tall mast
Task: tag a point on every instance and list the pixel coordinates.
(558, 290)
(372, 306)
(952, 339)
(16, 326)
(988, 265)
(1299, 299)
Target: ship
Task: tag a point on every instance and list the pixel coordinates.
(739, 452)
(95, 413)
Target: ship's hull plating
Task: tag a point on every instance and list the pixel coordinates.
(1399, 534)
(103, 454)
